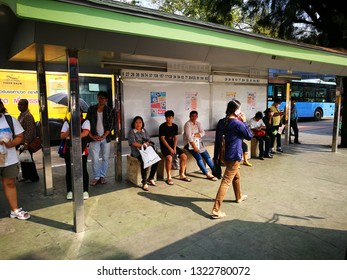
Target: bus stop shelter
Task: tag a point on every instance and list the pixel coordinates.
(103, 36)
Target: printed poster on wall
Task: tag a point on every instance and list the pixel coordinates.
(251, 100)
(158, 104)
(191, 101)
(231, 95)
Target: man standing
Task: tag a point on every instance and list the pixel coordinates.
(294, 121)
(26, 119)
(100, 117)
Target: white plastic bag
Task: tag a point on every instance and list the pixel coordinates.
(149, 156)
(25, 156)
(175, 165)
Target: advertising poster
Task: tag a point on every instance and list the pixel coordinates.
(230, 95)
(191, 101)
(251, 100)
(158, 104)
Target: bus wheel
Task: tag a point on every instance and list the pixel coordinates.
(318, 114)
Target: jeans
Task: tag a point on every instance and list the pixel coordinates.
(262, 140)
(95, 148)
(231, 176)
(204, 155)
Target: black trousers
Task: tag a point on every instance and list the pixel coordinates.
(294, 125)
(264, 139)
(154, 168)
(29, 171)
(84, 171)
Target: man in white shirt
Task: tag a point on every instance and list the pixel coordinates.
(258, 128)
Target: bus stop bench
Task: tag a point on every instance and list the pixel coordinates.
(192, 166)
(134, 171)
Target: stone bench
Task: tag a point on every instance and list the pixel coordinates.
(192, 166)
(134, 171)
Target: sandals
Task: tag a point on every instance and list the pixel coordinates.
(103, 180)
(218, 216)
(243, 197)
(212, 178)
(152, 182)
(186, 179)
(20, 214)
(145, 187)
(169, 182)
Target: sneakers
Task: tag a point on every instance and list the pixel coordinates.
(279, 150)
(85, 195)
(20, 214)
(69, 196)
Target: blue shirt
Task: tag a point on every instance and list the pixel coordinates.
(235, 131)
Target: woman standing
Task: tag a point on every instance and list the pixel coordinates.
(65, 134)
(138, 137)
(234, 129)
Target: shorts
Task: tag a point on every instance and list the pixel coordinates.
(10, 171)
(166, 152)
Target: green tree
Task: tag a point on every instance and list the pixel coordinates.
(317, 22)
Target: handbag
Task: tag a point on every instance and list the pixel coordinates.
(175, 165)
(260, 133)
(222, 152)
(35, 145)
(217, 170)
(149, 156)
(62, 148)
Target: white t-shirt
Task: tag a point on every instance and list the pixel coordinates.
(253, 123)
(100, 124)
(85, 125)
(5, 131)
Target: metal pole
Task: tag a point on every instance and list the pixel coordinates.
(75, 137)
(334, 144)
(118, 128)
(43, 108)
(287, 116)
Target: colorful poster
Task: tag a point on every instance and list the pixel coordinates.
(251, 100)
(191, 101)
(231, 95)
(158, 104)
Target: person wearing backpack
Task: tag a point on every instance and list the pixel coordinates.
(65, 134)
(11, 135)
(234, 129)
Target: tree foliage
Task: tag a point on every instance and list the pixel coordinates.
(321, 22)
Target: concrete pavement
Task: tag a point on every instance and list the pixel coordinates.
(296, 210)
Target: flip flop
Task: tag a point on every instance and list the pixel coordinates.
(218, 216)
(212, 178)
(186, 179)
(169, 182)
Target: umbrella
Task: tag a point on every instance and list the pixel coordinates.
(61, 98)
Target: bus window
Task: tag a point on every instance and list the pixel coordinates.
(296, 91)
(321, 94)
(309, 93)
